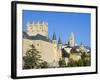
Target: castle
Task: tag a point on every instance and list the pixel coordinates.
(37, 28)
(50, 49)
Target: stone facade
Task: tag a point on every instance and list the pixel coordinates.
(35, 28)
(49, 51)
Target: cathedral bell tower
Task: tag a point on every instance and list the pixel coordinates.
(71, 40)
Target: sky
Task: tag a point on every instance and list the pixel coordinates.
(62, 23)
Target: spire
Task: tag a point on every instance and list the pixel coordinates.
(59, 41)
(65, 42)
(33, 22)
(54, 36)
(81, 44)
(68, 45)
(28, 24)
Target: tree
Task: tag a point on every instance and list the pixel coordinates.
(62, 63)
(72, 63)
(86, 59)
(87, 62)
(32, 59)
(83, 55)
(44, 64)
(80, 63)
(64, 53)
(73, 50)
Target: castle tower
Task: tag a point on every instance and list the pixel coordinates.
(37, 27)
(29, 28)
(54, 38)
(59, 43)
(71, 40)
(59, 48)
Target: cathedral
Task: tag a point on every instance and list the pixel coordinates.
(49, 49)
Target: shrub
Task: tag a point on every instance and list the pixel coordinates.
(64, 53)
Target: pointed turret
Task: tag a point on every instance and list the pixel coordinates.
(59, 48)
(59, 41)
(28, 24)
(54, 36)
(81, 45)
(65, 43)
(68, 45)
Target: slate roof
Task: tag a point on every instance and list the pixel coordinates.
(54, 36)
(37, 37)
(59, 41)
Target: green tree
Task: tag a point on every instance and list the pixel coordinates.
(80, 63)
(87, 62)
(62, 63)
(44, 64)
(86, 59)
(64, 53)
(83, 56)
(32, 59)
(73, 50)
(72, 63)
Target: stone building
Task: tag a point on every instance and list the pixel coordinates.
(39, 27)
(37, 34)
(50, 50)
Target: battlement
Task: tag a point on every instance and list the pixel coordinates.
(37, 27)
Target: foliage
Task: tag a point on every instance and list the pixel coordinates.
(33, 59)
(73, 50)
(75, 63)
(87, 63)
(62, 63)
(80, 62)
(83, 56)
(72, 63)
(64, 53)
(84, 61)
(44, 64)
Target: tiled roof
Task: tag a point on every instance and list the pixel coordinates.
(37, 37)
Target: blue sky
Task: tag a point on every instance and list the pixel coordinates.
(62, 23)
